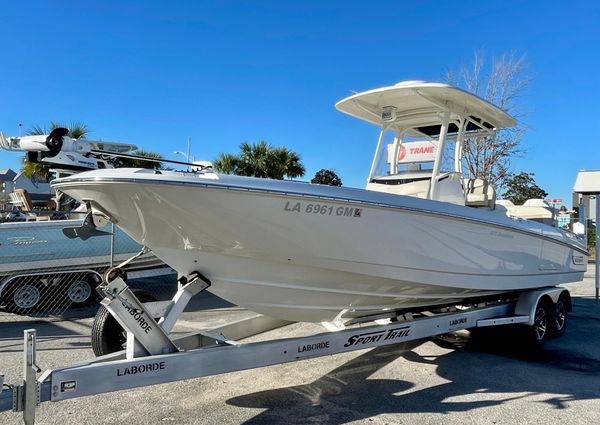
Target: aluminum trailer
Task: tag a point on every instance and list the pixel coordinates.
(152, 356)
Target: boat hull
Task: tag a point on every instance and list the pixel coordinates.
(42, 245)
(40, 248)
(305, 253)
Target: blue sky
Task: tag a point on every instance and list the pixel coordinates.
(154, 73)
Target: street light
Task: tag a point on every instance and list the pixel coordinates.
(182, 153)
(187, 155)
(187, 158)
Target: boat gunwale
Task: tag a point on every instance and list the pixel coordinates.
(218, 185)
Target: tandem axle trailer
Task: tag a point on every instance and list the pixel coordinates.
(152, 356)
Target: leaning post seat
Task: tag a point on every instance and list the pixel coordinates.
(479, 193)
(418, 189)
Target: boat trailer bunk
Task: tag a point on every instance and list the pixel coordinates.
(152, 356)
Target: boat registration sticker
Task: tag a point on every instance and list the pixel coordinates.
(322, 209)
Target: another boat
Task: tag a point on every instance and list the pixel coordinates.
(417, 236)
(40, 265)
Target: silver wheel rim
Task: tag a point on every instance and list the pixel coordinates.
(560, 315)
(79, 291)
(26, 296)
(540, 323)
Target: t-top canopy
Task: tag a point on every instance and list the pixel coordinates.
(415, 106)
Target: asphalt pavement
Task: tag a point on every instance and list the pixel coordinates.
(450, 380)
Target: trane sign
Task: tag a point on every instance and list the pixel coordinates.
(413, 152)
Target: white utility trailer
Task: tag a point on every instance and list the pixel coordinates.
(152, 356)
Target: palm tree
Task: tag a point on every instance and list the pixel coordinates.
(261, 160)
(226, 163)
(140, 163)
(293, 166)
(76, 129)
(253, 159)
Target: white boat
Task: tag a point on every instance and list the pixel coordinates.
(416, 236)
(39, 264)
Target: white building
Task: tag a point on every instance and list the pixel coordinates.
(39, 191)
(586, 186)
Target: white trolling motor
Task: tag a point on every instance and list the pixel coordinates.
(62, 152)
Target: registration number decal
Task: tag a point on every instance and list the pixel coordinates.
(322, 209)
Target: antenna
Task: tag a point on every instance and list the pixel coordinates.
(20, 126)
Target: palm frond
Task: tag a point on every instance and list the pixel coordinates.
(77, 129)
(261, 159)
(37, 130)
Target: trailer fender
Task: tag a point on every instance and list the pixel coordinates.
(6, 282)
(528, 301)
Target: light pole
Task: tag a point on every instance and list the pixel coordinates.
(187, 159)
(187, 155)
(184, 154)
(188, 151)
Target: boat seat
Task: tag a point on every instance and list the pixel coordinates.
(533, 209)
(22, 201)
(16, 201)
(479, 193)
(449, 188)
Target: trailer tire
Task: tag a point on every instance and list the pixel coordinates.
(560, 316)
(81, 292)
(543, 318)
(108, 336)
(25, 297)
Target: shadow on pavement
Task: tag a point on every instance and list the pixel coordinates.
(14, 330)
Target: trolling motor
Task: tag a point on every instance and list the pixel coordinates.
(54, 141)
(59, 150)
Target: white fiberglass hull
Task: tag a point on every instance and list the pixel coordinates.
(312, 253)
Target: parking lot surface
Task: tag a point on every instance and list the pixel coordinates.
(450, 380)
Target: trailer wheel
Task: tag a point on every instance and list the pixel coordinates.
(80, 292)
(559, 322)
(25, 296)
(107, 334)
(536, 334)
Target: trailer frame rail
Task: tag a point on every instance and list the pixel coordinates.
(217, 351)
